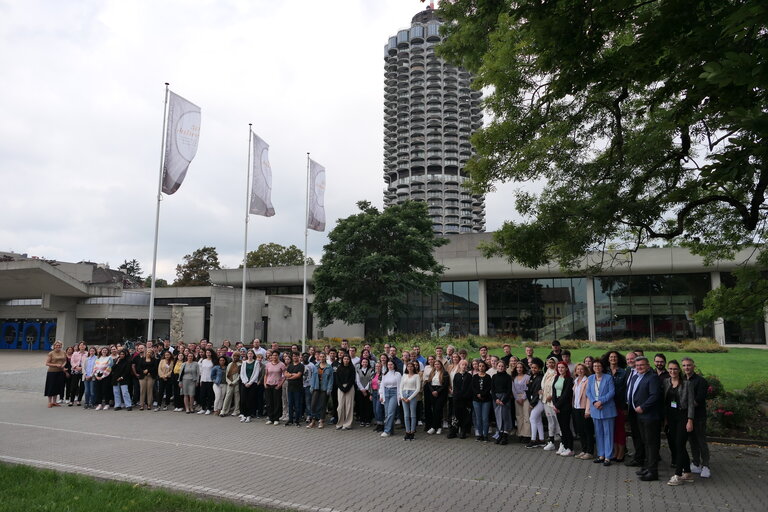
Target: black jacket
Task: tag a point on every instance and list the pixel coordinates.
(442, 390)
(563, 402)
(534, 386)
(122, 368)
(462, 386)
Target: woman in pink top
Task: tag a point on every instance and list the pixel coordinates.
(273, 388)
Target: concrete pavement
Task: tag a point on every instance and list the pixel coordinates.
(296, 468)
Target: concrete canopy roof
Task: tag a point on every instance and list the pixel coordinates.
(31, 279)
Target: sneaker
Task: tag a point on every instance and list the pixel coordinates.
(165, 407)
(338, 427)
(695, 469)
(247, 419)
(675, 480)
(129, 408)
(207, 413)
(268, 422)
(321, 424)
(446, 425)
(276, 423)
(532, 444)
(105, 408)
(431, 431)
(705, 473)
(346, 428)
(235, 414)
(420, 423)
(550, 446)
(560, 449)
(201, 411)
(385, 434)
(566, 453)
(242, 418)
(687, 478)
(439, 431)
(98, 407)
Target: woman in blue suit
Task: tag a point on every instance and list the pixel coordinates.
(602, 409)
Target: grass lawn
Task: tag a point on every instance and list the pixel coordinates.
(736, 368)
(31, 490)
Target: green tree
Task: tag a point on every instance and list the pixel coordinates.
(372, 261)
(276, 255)
(159, 282)
(132, 269)
(645, 120)
(194, 270)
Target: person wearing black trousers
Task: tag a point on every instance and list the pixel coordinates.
(679, 411)
(436, 387)
(638, 457)
(462, 401)
(562, 400)
(644, 399)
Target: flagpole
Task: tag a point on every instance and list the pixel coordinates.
(157, 218)
(245, 243)
(304, 302)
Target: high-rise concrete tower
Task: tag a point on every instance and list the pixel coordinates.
(429, 114)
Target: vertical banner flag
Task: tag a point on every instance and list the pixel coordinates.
(261, 186)
(316, 213)
(181, 139)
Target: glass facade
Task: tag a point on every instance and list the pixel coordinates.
(650, 306)
(453, 311)
(538, 309)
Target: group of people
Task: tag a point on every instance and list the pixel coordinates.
(526, 397)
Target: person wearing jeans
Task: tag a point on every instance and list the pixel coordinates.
(321, 386)
(121, 372)
(410, 386)
(294, 375)
(378, 407)
(88, 379)
(482, 396)
(389, 392)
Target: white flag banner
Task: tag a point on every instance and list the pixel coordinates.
(316, 214)
(181, 139)
(261, 186)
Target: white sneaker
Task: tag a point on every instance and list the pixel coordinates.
(439, 431)
(106, 407)
(247, 419)
(560, 449)
(431, 431)
(235, 414)
(269, 422)
(420, 423)
(276, 423)
(384, 434)
(207, 413)
(567, 453)
(98, 407)
(201, 411)
(705, 473)
(178, 409)
(675, 480)
(695, 469)
(549, 447)
(445, 424)
(242, 418)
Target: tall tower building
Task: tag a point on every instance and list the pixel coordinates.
(429, 114)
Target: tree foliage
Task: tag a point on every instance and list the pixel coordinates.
(276, 255)
(194, 270)
(645, 119)
(132, 269)
(372, 261)
(159, 282)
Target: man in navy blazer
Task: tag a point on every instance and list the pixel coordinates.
(645, 400)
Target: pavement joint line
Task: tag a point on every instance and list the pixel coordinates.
(126, 477)
(338, 466)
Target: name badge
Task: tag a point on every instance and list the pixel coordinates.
(673, 405)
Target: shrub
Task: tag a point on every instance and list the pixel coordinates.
(732, 410)
(758, 391)
(715, 388)
(703, 345)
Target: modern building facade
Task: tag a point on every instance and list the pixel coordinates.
(429, 114)
(651, 294)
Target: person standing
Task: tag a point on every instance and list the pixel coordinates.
(581, 418)
(345, 376)
(644, 397)
(698, 437)
(55, 377)
(101, 369)
(273, 388)
(436, 386)
(76, 384)
(232, 394)
(389, 395)
(522, 406)
(206, 382)
(502, 400)
(679, 412)
(121, 377)
(218, 376)
(553, 427)
(462, 399)
(602, 410)
(165, 380)
(533, 394)
(294, 375)
(321, 388)
(482, 393)
(146, 368)
(363, 378)
(410, 387)
(251, 373)
(189, 378)
(562, 398)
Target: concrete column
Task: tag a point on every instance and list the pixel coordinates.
(482, 306)
(719, 326)
(66, 327)
(177, 323)
(591, 316)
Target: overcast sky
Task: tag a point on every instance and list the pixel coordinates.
(81, 107)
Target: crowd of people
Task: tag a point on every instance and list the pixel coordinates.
(495, 398)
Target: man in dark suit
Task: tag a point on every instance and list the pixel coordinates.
(638, 456)
(645, 400)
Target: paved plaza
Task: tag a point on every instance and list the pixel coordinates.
(296, 468)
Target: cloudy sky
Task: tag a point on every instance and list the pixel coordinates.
(81, 103)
